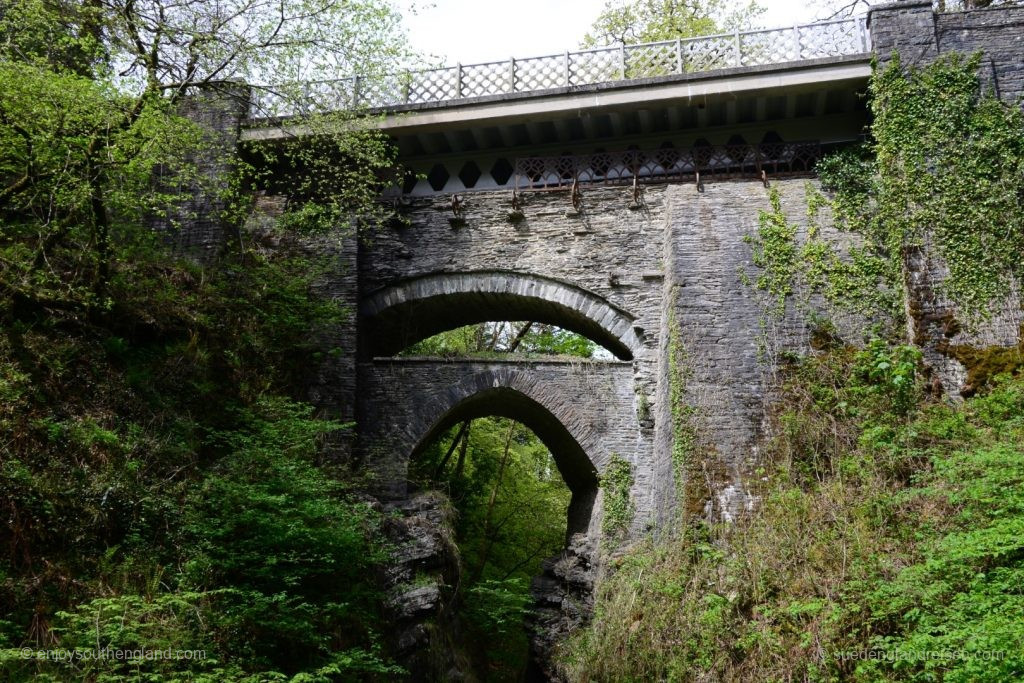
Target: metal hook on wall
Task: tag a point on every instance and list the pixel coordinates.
(638, 194)
(457, 220)
(576, 196)
(516, 214)
(764, 178)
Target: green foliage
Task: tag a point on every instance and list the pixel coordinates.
(551, 340)
(775, 253)
(951, 167)
(512, 505)
(497, 339)
(126, 485)
(644, 21)
(944, 168)
(878, 532)
(276, 529)
(159, 480)
(616, 482)
(76, 171)
(495, 609)
(684, 424)
(889, 374)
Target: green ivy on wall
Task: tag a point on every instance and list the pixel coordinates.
(616, 481)
(686, 470)
(943, 169)
(775, 253)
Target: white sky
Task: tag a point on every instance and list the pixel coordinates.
(471, 31)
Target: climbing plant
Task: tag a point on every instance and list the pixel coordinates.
(618, 507)
(943, 169)
(775, 253)
(684, 423)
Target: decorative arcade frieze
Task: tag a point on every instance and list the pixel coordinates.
(666, 164)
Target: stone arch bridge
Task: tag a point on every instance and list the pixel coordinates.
(607, 192)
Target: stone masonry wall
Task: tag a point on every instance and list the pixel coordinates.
(920, 35)
(195, 226)
(730, 344)
(682, 259)
(611, 251)
(999, 33)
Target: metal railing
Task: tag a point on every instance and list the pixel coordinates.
(571, 69)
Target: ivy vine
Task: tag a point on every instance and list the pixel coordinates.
(685, 468)
(943, 169)
(616, 481)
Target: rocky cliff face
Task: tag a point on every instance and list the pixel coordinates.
(421, 581)
(563, 597)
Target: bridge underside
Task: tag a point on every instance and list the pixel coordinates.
(409, 311)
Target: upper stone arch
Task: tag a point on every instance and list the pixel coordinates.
(417, 308)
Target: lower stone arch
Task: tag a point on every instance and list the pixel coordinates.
(409, 311)
(514, 394)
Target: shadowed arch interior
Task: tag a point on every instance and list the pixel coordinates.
(573, 464)
(401, 315)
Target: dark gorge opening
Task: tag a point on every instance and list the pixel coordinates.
(519, 484)
(511, 507)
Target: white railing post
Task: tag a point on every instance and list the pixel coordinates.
(796, 43)
(568, 70)
(458, 80)
(512, 74)
(737, 54)
(622, 60)
(862, 29)
(679, 56)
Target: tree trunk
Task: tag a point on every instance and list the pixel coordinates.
(520, 336)
(460, 465)
(451, 449)
(486, 541)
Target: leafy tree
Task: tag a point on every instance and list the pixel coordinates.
(627, 22)
(529, 338)
(159, 481)
(512, 505)
(91, 93)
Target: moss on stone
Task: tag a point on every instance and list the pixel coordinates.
(984, 363)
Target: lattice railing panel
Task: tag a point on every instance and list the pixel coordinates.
(768, 47)
(652, 59)
(596, 66)
(708, 54)
(602, 65)
(435, 85)
(380, 92)
(540, 73)
(833, 39)
(479, 80)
